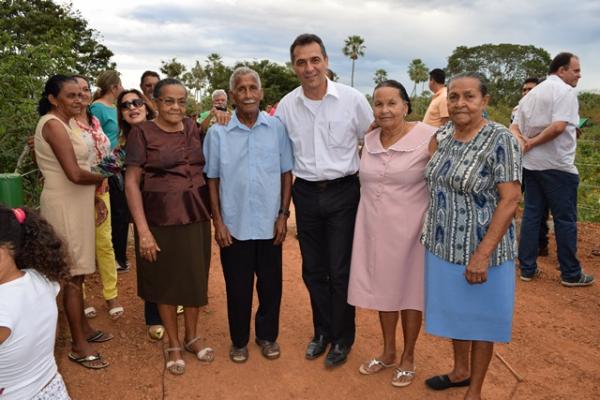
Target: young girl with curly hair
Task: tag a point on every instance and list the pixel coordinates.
(32, 265)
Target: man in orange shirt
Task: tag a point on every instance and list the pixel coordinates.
(437, 112)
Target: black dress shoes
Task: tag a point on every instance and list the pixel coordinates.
(337, 355)
(316, 347)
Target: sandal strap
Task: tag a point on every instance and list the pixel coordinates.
(398, 373)
(171, 349)
(191, 342)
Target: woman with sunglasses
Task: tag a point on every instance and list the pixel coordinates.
(133, 110)
(98, 146)
(172, 219)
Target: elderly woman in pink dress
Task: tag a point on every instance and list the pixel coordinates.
(387, 270)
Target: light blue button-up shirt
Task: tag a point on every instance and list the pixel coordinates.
(249, 163)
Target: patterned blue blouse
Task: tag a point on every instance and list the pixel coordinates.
(462, 179)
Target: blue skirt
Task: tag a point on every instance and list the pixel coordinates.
(458, 310)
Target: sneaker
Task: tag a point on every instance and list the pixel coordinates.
(238, 354)
(584, 280)
(269, 349)
(530, 277)
(122, 267)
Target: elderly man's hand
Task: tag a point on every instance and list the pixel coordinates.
(222, 235)
(280, 230)
(477, 269)
(222, 117)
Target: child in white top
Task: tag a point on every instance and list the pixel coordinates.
(32, 263)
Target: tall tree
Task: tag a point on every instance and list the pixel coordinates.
(353, 48)
(39, 38)
(418, 72)
(380, 76)
(217, 73)
(505, 66)
(173, 68)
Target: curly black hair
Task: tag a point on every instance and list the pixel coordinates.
(34, 244)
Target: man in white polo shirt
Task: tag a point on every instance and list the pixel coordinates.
(547, 119)
(325, 121)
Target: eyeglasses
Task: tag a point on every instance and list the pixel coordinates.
(171, 102)
(136, 103)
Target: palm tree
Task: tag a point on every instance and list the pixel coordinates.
(354, 47)
(380, 76)
(418, 72)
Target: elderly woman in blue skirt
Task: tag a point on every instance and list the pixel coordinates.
(474, 185)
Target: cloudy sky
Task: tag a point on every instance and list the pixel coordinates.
(141, 33)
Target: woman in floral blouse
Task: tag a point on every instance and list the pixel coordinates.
(474, 187)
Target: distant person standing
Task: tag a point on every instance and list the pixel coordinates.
(547, 120)
(147, 83)
(325, 121)
(437, 112)
(109, 87)
(543, 251)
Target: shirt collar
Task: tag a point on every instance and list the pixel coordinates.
(332, 90)
(413, 140)
(439, 92)
(234, 122)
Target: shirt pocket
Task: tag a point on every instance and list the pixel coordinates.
(341, 135)
(269, 157)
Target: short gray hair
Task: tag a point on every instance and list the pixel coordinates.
(241, 71)
(219, 92)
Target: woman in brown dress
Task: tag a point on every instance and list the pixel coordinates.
(171, 216)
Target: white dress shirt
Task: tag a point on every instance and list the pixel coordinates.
(325, 136)
(551, 101)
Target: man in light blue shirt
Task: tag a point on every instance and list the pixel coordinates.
(248, 165)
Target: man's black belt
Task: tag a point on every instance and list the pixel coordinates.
(322, 185)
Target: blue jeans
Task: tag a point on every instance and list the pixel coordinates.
(557, 191)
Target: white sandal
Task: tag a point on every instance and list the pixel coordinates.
(206, 355)
(176, 367)
(402, 374)
(89, 312)
(116, 312)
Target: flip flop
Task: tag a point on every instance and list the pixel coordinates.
(88, 361)
(374, 366)
(116, 312)
(403, 377)
(99, 337)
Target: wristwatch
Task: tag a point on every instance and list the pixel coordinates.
(284, 212)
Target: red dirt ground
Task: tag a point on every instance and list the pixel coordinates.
(556, 347)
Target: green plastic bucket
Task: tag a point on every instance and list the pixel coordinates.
(11, 190)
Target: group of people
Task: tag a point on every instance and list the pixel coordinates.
(402, 217)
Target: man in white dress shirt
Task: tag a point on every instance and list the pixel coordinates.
(325, 121)
(547, 120)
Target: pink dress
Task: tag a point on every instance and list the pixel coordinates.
(387, 270)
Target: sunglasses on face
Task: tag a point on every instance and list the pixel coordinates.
(136, 103)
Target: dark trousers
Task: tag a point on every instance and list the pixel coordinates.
(325, 214)
(241, 261)
(151, 314)
(556, 190)
(119, 217)
(544, 229)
